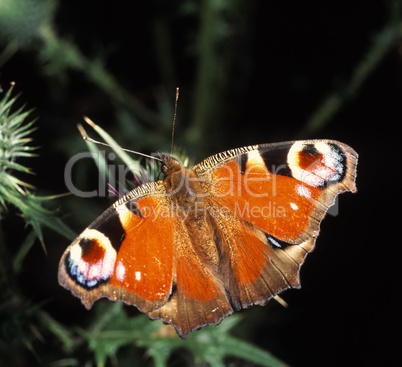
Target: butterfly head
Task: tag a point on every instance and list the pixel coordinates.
(169, 163)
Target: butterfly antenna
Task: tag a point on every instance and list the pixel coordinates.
(174, 119)
(87, 138)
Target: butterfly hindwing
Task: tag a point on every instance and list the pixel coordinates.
(199, 297)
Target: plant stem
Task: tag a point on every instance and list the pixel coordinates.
(96, 72)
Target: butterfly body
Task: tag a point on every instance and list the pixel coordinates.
(229, 233)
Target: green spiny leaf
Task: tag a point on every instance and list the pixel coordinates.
(15, 135)
(23, 251)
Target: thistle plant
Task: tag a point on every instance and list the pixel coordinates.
(15, 142)
(19, 317)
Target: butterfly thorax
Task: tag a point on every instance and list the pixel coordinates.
(184, 186)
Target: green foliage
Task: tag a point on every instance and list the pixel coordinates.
(18, 316)
(14, 139)
(21, 20)
(113, 330)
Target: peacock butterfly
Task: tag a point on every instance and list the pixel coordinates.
(229, 233)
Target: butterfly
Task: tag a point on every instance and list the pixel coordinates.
(227, 234)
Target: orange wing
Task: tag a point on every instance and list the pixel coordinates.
(268, 202)
(121, 256)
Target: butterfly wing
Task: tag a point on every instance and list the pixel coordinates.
(121, 256)
(268, 202)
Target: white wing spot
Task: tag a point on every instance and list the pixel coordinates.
(294, 206)
(120, 271)
(303, 191)
(274, 242)
(255, 158)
